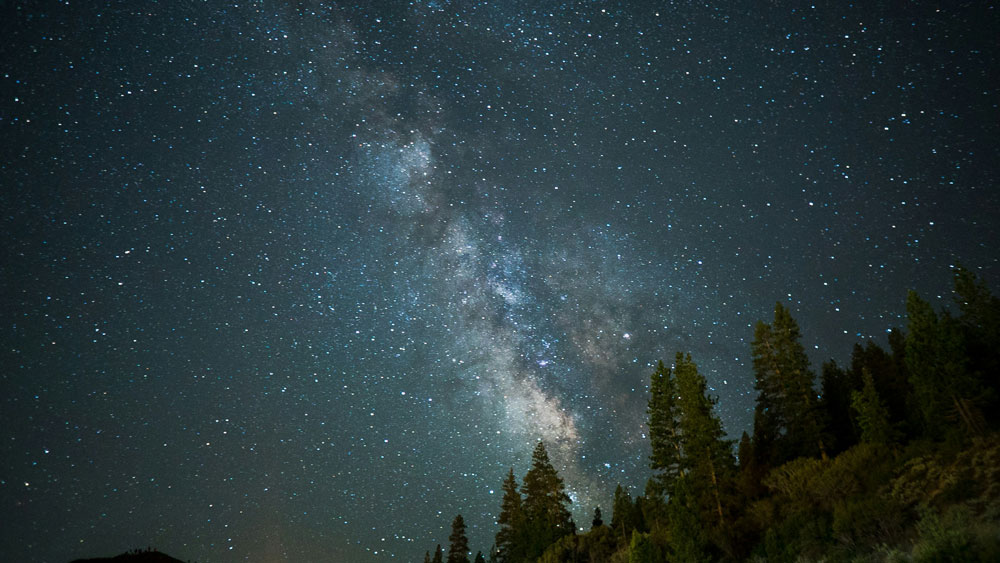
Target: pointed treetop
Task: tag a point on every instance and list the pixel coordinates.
(664, 432)
(458, 552)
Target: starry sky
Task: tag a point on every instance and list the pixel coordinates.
(300, 281)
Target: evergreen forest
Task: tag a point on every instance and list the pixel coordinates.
(894, 457)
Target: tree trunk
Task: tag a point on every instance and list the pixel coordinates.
(715, 487)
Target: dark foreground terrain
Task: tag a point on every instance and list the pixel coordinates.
(134, 557)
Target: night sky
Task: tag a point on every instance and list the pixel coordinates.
(293, 281)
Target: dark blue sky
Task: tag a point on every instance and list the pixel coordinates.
(294, 281)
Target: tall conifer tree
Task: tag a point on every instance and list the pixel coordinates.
(622, 511)
(708, 455)
(980, 323)
(872, 414)
(510, 539)
(546, 504)
(836, 386)
(787, 421)
(458, 550)
(943, 386)
(887, 377)
(664, 430)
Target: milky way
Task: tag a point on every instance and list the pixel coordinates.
(302, 282)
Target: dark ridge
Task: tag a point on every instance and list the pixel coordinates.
(140, 557)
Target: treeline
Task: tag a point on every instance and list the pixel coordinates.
(458, 551)
(895, 457)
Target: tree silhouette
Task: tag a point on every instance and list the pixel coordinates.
(707, 455)
(787, 419)
(664, 431)
(597, 522)
(546, 504)
(458, 551)
(873, 416)
(511, 541)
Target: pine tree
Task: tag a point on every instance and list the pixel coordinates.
(458, 551)
(744, 451)
(438, 555)
(664, 431)
(708, 456)
(597, 522)
(621, 513)
(639, 514)
(751, 471)
(688, 538)
(654, 504)
(427, 557)
(921, 358)
(980, 310)
(909, 414)
(479, 558)
(641, 549)
(889, 381)
(872, 414)
(510, 539)
(787, 409)
(546, 504)
(944, 389)
(836, 388)
(980, 325)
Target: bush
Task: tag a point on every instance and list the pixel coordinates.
(866, 521)
(971, 477)
(956, 536)
(944, 539)
(798, 536)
